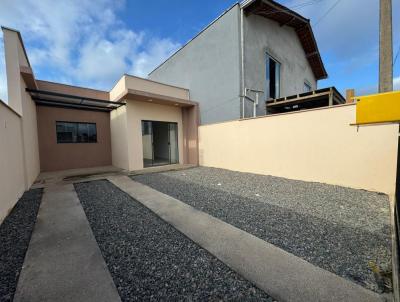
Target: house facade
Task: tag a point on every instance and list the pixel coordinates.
(255, 51)
(137, 124)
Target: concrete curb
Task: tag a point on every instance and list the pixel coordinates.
(63, 261)
(282, 275)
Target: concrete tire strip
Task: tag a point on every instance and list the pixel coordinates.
(279, 273)
(63, 261)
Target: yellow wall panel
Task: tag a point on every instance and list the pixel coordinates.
(378, 108)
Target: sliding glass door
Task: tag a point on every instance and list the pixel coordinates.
(160, 143)
(147, 139)
(173, 143)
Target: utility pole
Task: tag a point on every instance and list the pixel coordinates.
(385, 47)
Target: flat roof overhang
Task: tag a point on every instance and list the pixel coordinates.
(55, 99)
(149, 97)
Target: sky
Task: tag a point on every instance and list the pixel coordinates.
(92, 43)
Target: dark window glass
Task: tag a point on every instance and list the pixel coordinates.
(92, 133)
(83, 133)
(307, 87)
(145, 128)
(72, 132)
(273, 70)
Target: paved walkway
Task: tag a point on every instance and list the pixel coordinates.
(63, 261)
(282, 275)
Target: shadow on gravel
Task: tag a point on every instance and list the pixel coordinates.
(335, 247)
(149, 259)
(15, 234)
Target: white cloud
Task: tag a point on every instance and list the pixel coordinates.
(102, 59)
(156, 53)
(83, 42)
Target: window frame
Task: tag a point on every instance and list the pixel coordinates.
(77, 124)
(278, 72)
(308, 84)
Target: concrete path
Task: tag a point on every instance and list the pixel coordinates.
(282, 275)
(63, 261)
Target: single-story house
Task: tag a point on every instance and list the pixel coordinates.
(138, 123)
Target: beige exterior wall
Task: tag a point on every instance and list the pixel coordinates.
(316, 145)
(12, 179)
(30, 136)
(135, 83)
(73, 90)
(126, 131)
(119, 138)
(20, 101)
(118, 89)
(190, 121)
(138, 111)
(15, 58)
(55, 157)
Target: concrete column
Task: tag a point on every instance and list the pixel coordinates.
(385, 47)
(349, 95)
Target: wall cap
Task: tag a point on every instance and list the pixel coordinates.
(280, 114)
(9, 108)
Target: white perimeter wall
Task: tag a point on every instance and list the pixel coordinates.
(316, 145)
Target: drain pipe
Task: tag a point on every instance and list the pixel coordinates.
(242, 88)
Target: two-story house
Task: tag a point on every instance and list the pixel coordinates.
(255, 51)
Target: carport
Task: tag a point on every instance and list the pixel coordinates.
(73, 126)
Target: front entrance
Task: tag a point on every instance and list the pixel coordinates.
(160, 143)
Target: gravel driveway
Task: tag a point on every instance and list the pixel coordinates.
(336, 228)
(15, 234)
(149, 260)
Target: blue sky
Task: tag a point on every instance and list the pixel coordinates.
(92, 43)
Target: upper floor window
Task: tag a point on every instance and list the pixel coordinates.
(273, 75)
(307, 87)
(73, 132)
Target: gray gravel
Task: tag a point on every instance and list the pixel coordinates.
(338, 229)
(15, 234)
(149, 260)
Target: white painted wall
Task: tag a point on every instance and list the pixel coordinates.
(316, 145)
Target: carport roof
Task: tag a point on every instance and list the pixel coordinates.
(55, 99)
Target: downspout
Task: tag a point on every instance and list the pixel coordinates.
(242, 88)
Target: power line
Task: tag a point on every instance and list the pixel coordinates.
(301, 5)
(298, 6)
(327, 12)
(397, 55)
